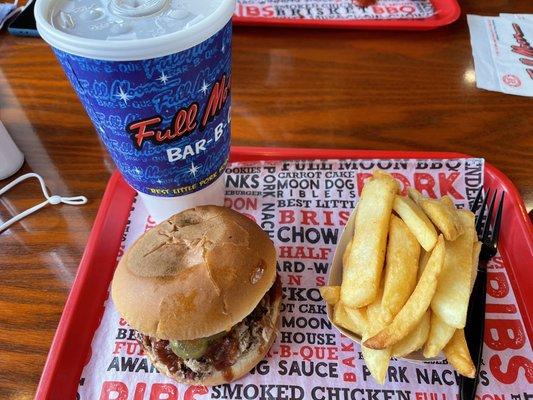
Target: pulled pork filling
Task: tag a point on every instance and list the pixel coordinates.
(251, 332)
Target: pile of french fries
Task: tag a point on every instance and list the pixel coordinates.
(407, 277)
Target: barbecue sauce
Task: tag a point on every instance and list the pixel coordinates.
(223, 354)
(166, 355)
(228, 374)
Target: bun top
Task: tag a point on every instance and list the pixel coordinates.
(194, 275)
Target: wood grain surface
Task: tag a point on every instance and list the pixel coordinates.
(300, 87)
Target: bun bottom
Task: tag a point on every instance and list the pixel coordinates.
(245, 363)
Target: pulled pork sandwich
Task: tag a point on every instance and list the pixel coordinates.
(201, 290)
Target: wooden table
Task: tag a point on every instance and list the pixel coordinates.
(304, 88)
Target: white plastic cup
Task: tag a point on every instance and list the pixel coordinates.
(154, 77)
(162, 207)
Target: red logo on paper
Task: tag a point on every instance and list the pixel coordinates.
(524, 49)
(511, 80)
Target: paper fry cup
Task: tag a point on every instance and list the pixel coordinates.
(335, 279)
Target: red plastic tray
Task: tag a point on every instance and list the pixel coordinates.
(84, 307)
(446, 12)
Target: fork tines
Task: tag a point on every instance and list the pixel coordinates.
(485, 235)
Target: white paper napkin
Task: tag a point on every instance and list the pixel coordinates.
(503, 52)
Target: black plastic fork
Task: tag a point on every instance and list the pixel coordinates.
(475, 320)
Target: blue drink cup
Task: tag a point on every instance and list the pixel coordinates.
(155, 78)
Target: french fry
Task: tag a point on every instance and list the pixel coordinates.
(377, 361)
(362, 272)
(415, 339)
(401, 265)
(448, 202)
(419, 301)
(442, 213)
(424, 257)
(440, 334)
(346, 253)
(475, 262)
(355, 320)
(330, 294)
(415, 195)
(417, 221)
(450, 302)
(456, 351)
(468, 221)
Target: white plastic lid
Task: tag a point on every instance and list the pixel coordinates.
(126, 30)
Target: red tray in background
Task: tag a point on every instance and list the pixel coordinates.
(84, 307)
(446, 12)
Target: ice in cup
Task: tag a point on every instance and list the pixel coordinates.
(155, 78)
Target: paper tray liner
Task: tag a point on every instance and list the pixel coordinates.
(310, 358)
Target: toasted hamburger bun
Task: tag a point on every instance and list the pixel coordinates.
(201, 272)
(244, 363)
(194, 275)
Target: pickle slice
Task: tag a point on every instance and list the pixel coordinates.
(189, 348)
(216, 336)
(193, 348)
